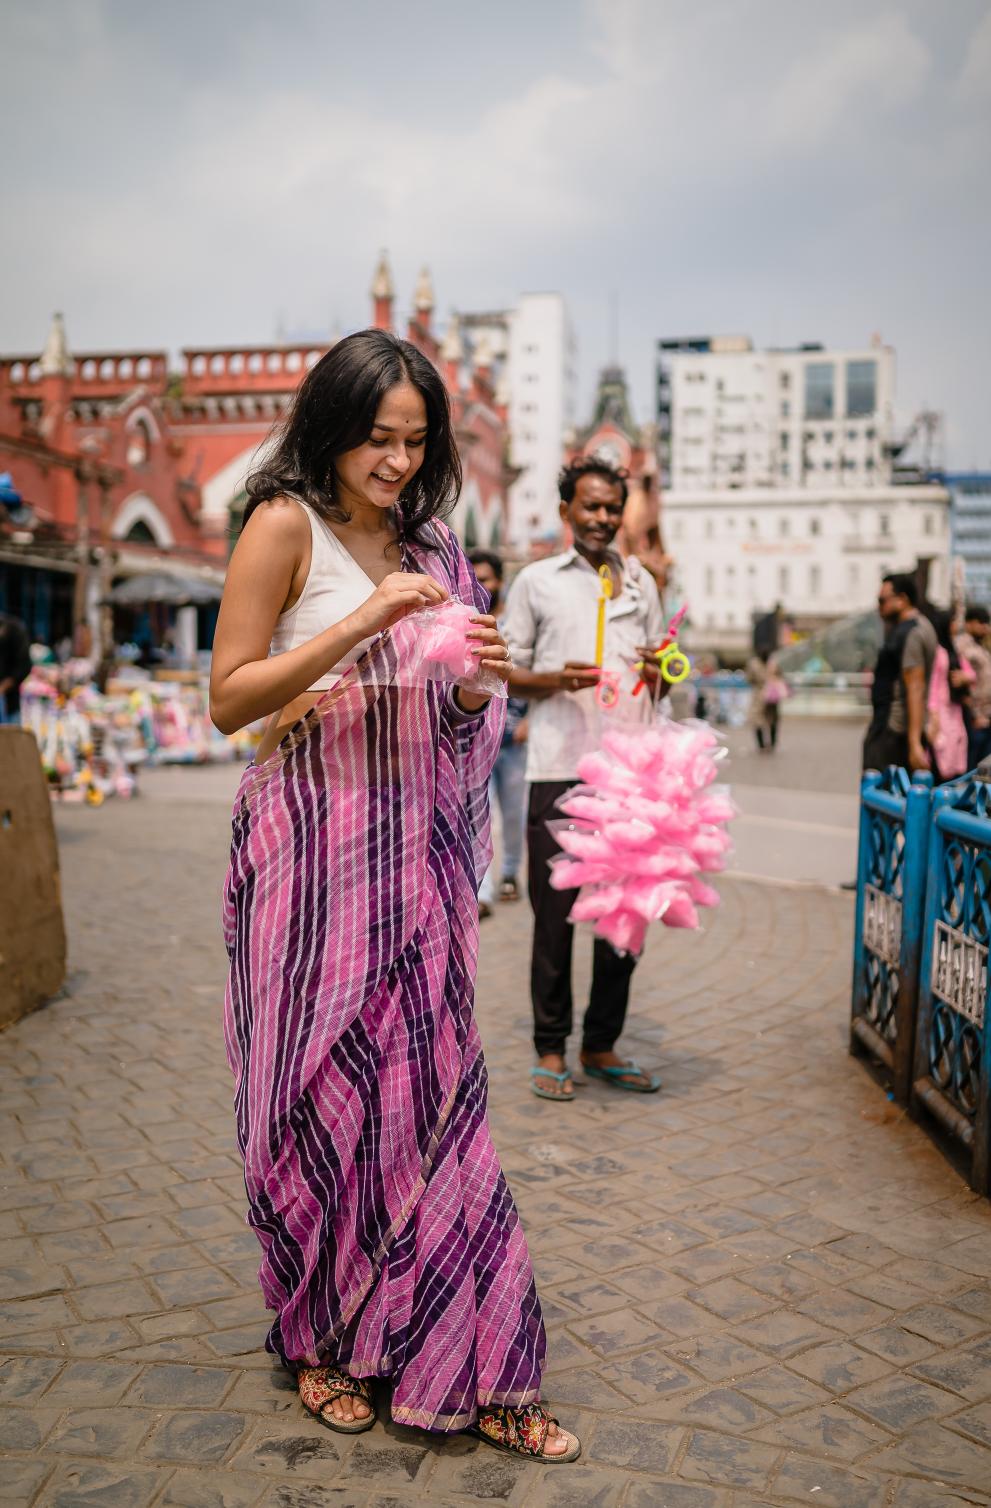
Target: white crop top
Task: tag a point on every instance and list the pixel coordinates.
(335, 586)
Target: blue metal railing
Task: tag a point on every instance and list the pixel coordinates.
(888, 936)
(953, 1042)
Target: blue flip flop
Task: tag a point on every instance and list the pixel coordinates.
(614, 1076)
(545, 1094)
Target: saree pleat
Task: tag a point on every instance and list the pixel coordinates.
(390, 1241)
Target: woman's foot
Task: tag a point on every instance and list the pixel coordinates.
(340, 1402)
(550, 1080)
(509, 890)
(527, 1431)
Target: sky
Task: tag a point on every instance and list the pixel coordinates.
(222, 171)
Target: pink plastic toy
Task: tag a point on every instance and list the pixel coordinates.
(640, 830)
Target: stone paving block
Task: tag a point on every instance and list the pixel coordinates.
(128, 1235)
(97, 1485)
(839, 1366)
(171, 1324)
(782, 1391)
(896, 1345)
(972, 1255)
(668, 1236)
(933, 1451)
(246, 1340)
(634, 1444)
(899, 1402)
(195, 1436)
(211, 1489)
(928, 1495)
(609, 1335)
(479, 1474)
(827, 1485)
(942, 1325)
(725, 1408)
(20, 1480)
(839, 1309)
(731, 1300)
(26, 1428)
(726, 1461)
(64, 1216)
(974, 1422)
(976, 1301)
(89, 1272)
(648, 1282)
(966, 1371)
(26, 1315)
(782, 1333)
(831, 1430)
(650, 1375)
(101, 1432)
(102, 1338)
(680, 1316)
(717, 1357)
(23, 1379)
(115, 1301)
(582, 1487)
(29, 1280)
(193, 1287)
(178, 1386)
(780, 1280)
(97, 1383)
(668, 1494)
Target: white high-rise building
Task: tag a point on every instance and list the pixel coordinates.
(779, 485)
(539, 385)
(542, 408)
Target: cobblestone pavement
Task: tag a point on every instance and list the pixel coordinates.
(762, 1286)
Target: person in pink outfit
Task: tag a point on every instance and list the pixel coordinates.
(948, 687)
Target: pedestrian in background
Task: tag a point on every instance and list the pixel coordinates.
(550, 625)
(973, 646)
(15, 666)
(949, 684)
(899, 695)
(507, 788)
(768, 690)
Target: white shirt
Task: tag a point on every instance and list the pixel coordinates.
(551, 617)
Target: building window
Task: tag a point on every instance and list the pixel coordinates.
(785, 468)
(927, 523)
(814, 527)
(784, 527)
(708, 528)
(784, 381)
(785, 409)
(785, 438)
(854, 576)
(730, 581)
(884, 525)
(861, 388)
(827, 436)
(784, 581)
(851, 434)
(819, 400)
(815, 580)
(752, 526)
(710, 580)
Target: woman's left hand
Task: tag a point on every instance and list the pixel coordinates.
(493, 651)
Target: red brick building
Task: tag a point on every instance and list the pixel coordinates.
(122, 466)
(615, 436)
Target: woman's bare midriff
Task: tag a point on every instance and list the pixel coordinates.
(280, 723)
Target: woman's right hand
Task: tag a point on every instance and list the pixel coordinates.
(401, 593)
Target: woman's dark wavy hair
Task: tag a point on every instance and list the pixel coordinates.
(334, 410)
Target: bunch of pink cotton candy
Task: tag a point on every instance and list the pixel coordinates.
(446, 651)
(641, 828)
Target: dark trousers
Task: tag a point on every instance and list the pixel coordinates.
(553, 937)
(883, 747)
(978, 746)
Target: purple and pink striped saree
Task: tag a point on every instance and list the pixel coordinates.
(390, 1241)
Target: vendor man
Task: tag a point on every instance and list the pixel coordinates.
(550, 625)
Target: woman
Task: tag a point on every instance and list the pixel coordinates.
(391, 1245)
(768, 692)
(949, 683)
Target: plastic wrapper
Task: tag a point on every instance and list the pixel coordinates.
(646, 822)
(444, 652)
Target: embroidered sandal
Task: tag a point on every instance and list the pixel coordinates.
(523, 1432)
(319, 1386)
(618, 1077)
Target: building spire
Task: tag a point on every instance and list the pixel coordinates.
(382, 284)
(423, 298)
(383, 292)
(55, 358)
(452, 348)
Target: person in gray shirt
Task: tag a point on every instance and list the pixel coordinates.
(900, 692)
